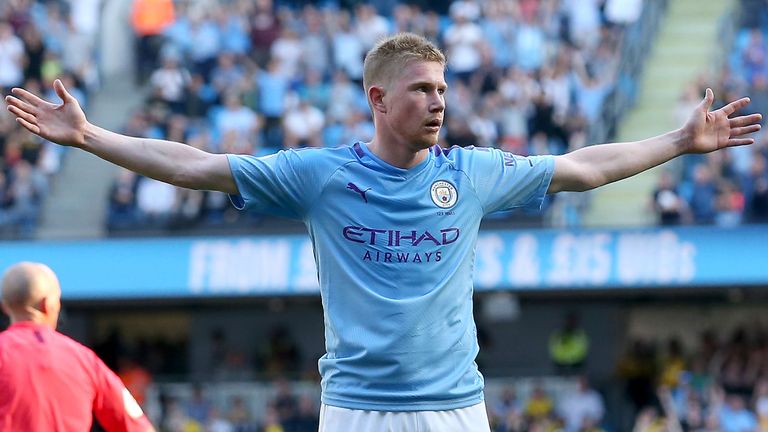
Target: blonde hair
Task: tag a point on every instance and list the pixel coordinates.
(392, 54)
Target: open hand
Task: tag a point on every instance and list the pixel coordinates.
(63, 123)
(712, 130)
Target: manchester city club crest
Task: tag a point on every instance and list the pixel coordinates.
(443, 194)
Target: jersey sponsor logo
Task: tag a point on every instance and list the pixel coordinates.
(403, 257)
(353, 187)
(444, 194)
(425, 239)
(394, 237)
(132, 407)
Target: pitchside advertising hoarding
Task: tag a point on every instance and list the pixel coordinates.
(506, 260)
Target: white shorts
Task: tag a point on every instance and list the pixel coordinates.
(469, 419)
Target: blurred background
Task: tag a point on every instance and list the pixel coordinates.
(637, 307)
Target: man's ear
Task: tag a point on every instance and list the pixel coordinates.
(44, 305)
(5, 308)
(376, 96)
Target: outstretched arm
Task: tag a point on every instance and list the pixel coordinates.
(167, 161)
(704, 132)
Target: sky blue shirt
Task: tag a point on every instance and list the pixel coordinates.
(395, 251)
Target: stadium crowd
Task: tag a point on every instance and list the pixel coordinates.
(255, 77)
(39, 42)
(727, 188)
(714, 382)
(718, 383)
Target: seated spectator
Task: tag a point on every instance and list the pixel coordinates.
(11, 58)
(26, 193)
(217, 423)
(303, 125)
(582, 410)
(239, 414)
(507, 412)
(238, 125)
(703, 193)
(169, 83)
(122, 210)
(540, 405)
(756, 189)
(198, 407)
(734, 415)
(669, 206)
(306, 419)
(729, 205)
(154, 200)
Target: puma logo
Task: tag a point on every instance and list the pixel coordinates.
(353, 187)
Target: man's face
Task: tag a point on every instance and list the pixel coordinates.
(415, 101)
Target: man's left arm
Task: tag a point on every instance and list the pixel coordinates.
(704, 132)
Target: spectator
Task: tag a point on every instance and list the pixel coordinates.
(729, 205)
(569, 346)
(271, 422)
(149, 19)
(463, 41)
(582, 410)
(303, 126)
(136, 378)
(734, 415)
(50, 382)
(540, 405)
(204, 42)
(238, 125)
(507, 412)
(217, 423)
(285, 403)
(306, 418)
(227, 75)
(198, 407)
(273, 88)
(348, 50)
(669, 206)
(11, 58)
(239, 414)
(154, 200)
(702, 199)
(170, 82)
(26, 192)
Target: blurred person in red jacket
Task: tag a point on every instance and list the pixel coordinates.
(51, 382)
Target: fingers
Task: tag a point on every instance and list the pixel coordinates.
(735, 106)
(745, 120)
(28, 126)
(28, 97)
(20, 104)
(706, 103)
(22, 114)
(739, 131)
(740, 141)
(58, 86)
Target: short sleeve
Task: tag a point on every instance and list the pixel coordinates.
(504, 181)
(114, 406)
(285, 183)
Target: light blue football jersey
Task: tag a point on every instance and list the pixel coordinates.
(395, 252)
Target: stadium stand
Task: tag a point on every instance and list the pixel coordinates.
(253, 78)
(40, 41)
(731, 188)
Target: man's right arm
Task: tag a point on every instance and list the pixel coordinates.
(167, 161)
(171, 162)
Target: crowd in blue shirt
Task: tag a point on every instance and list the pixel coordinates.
(527, 77)
(39, 42)
(731, 187)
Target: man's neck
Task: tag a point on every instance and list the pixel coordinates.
(398, 156)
